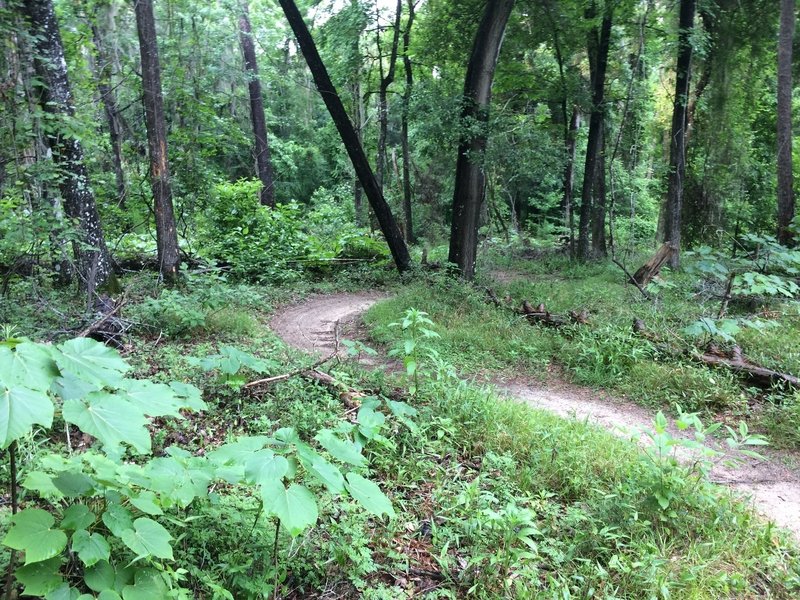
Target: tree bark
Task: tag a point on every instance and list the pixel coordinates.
(785, 174)
(569, 176)
(263, 162)
(470, 178)
(166, 232)
(677, 154)
(391, 232)
(407, 209)
(383, 92)
(598, 47)
(103, 75)
(93, 264)
(599, 203)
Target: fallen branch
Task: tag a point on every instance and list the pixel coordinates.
(540, 315)
(733, 360)
(632, 279)
(291, 374)
(349, 396)
(95, 327)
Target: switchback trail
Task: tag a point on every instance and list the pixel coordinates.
(317, 324)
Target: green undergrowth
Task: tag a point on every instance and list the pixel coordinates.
(478, 337)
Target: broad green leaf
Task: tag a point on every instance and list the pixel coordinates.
(91, 547)
(29, 365)
(148, 538)
(149, 585)
(41, 483)
(100, 576)
(369, 495)
(110, 419)
(340, 449)
(73, 484)
(370, 422)
(91, 361)
(31, 531)
(71, 387)
(20, 409)
(118, 519)
(191, 396)
(239, 451)
(173, 480)
(77, 516)
(40, 578)
(147, 502)
(109, 595)
(327, 473)
(265, 467)
(153, 399)
(295, 507)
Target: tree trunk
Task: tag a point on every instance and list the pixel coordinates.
(785, 175)
(677, 154)
(166, 233)
(569, 176)
(383, 92)
(93, 264)
(470, 178)
(263, 162)
(599, 203)
(407, 212)
(103, 75)
(388, 225)
(598, 46)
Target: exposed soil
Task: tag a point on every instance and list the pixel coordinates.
(319, 322)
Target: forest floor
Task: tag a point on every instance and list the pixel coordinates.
(319, 323)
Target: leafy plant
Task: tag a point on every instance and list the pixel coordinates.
(416, 329)
(111, 515)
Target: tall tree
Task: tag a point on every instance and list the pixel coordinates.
(785, 175)
(470, 181)
(386, 80)
(677, 148)
(263, 162)
(391, 232)
(93, 264)
(598, 44)
(113, 117)
(166, 232)
(409, 72)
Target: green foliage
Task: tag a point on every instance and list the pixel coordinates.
(416, 329)
(112, 513)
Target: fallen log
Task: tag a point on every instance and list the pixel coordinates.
(652, 267)
(541, 316)
(733, 360)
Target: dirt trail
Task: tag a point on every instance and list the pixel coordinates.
(774, 485)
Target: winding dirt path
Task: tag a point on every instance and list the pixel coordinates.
(315, 324)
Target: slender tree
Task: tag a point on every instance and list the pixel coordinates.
(391, 232)
(113, 117)
(92, 261)
(598, 46)
(386, 80)
(470, 181)
(166, 232)
(677, 153)
(785, 175)
(263, 162)
(409, 72)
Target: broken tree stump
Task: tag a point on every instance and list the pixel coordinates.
(541, 316)
(652, 267)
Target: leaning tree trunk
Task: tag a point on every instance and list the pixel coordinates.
(570, 144)
(470, 178)
(785, 177)
(166, 232)
(103, 75)
(598, 45)
(263, 162)
(677, 149)
(391, 232)
(93, 265)
(383, 92)
(407, 210)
